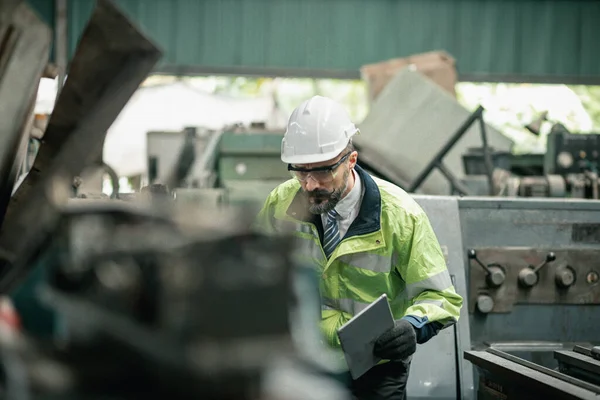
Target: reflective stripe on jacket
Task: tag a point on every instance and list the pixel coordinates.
(389, 248)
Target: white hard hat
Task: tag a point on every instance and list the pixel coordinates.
(318, 130)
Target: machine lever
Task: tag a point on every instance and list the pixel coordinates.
(528, 276)
(495, 275)
(472, 254)
(549, 258)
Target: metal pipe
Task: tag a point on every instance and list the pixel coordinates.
(444, 150)
(487, 157)
(61, 56)
(456, 184)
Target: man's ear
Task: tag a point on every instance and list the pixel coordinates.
(353, 159)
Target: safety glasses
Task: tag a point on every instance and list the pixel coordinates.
(323, 174)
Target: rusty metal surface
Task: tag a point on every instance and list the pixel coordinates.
(112, 60)
(24, 50)
(578, 267)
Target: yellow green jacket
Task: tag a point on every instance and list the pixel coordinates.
(389, 248)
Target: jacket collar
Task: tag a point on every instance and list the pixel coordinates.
(368, 219)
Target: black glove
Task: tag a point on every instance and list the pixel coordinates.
(397, 343)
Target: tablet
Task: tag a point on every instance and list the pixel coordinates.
(358, 335)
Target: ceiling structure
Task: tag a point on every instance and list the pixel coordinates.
(553, 41)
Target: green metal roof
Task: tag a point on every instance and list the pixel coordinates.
(504, 40)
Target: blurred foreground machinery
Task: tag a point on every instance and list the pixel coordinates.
(150, 304)
(143, 299)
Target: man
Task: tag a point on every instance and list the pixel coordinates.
(366, 237)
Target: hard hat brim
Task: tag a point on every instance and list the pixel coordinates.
(310, 158)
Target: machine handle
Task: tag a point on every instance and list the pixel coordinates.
(495, 274)
(528, 276)
(472, 254)
(549, 258)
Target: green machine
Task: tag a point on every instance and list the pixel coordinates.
(247, 167)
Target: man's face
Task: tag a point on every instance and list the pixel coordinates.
(324, 190)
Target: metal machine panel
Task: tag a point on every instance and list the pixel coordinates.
(211, 197)
(442, 379)
(409, 123)
(253, 192)
(251, 156)
(248, 167)
(550, 223)
(570, 153)
(547, 225)
(251, 143)
(163, 150)
(24, 49)
(533, 276)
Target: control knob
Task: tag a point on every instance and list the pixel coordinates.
(565, 277)
(485, 304)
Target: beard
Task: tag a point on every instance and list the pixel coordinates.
(324, 201)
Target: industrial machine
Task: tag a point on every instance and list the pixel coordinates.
(527, 271)
(569, 168)
(147, 299)
(163, 148)
(236, 167)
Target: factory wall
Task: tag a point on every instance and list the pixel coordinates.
(492, 40)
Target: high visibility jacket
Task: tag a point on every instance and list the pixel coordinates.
(389, 248)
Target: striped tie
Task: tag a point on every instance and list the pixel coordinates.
(331, 238)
